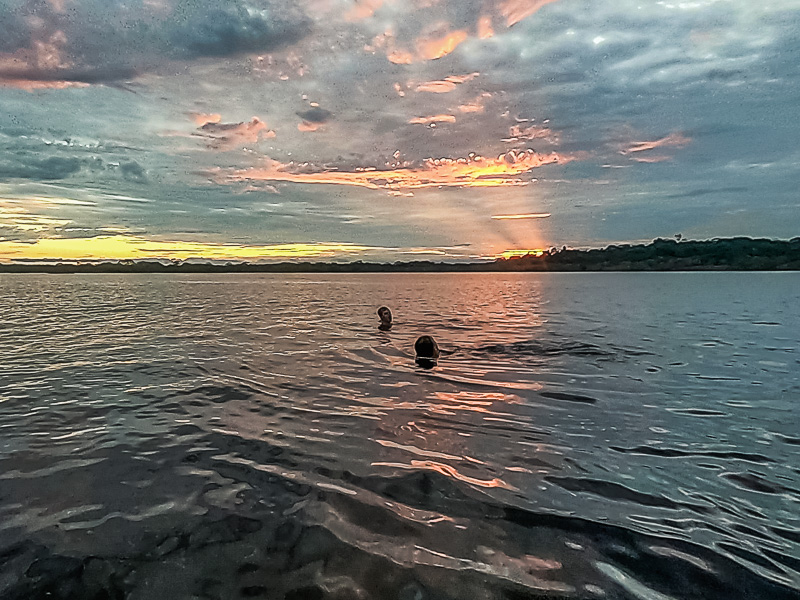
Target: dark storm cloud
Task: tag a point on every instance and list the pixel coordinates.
(97, 41)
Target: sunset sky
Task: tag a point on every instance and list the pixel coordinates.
(392, 129)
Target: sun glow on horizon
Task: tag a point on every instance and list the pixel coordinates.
(125, 247)
(520, 253)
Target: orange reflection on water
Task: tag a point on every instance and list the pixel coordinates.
(472, 401)
(448, 471)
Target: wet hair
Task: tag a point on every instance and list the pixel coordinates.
(426, 347)
(385, 314)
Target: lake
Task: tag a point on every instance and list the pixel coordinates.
(608, 435)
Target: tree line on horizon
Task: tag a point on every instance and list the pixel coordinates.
(740, 253)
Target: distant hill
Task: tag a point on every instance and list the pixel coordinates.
(732, 254)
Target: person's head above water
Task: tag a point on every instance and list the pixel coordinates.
(427, 351)
(386, 317)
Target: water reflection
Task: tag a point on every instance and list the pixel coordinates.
(618, 436)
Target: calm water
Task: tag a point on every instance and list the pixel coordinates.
(590, 436)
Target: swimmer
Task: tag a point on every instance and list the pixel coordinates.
(386, 318)
(427, 351)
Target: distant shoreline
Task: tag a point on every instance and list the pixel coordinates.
(731, 254)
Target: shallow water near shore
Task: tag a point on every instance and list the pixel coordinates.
(221, 436)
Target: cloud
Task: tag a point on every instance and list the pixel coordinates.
(233, 28)
(676, 140)
(363, 9)
(19, 224)
(521, 216)
(485, 29)
(476, 105)
(433, 47)
(443, 86)
(201, 119)
(44, 46)
(307, 126)
(516, 10)
(650, 159)
(430, 46)
(315, 115)
(133, 171)
(228, 136)
(433, 119)
(518, 132)
(474, 171)
(26, 167)
(313, 118)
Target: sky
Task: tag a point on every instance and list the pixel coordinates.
(392, 129)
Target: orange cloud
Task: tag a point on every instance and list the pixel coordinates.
(430, 47)
(307, 126)
(433, 119)
(363, 9)
(471, 107)
(227, 136)
(436, 87)
(462, 78)
(676, 140)
(400, 57)
(474, 171)
(522, 216)
(516, 10)
(485, 29)
(201, 119)
(442, 86)
(436, 47)
(475, 106)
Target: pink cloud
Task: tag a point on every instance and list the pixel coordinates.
(508, 169)
(201, 119)
(363, 9)
(674, 140)
(516, 10)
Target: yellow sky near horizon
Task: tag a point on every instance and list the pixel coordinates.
(122, 247)
(130, 247)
